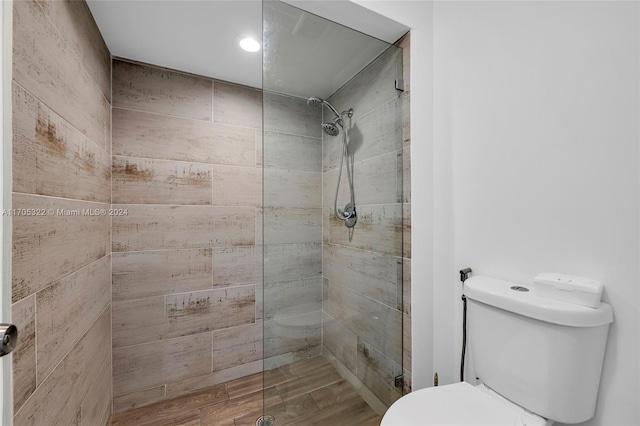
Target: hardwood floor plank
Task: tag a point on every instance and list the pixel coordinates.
(308, 392)
(333, 394)
(225, 412)
(137, 399)
(195, 421)
(373, 421)
(285, 412)
(245, 385)
(278, 376)
(271, 398)
(350, 412)
(325, 376)
(173, 411)
(293, 409)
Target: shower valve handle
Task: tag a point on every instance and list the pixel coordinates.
(347, 214)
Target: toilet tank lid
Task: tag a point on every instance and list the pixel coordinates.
(521, 300)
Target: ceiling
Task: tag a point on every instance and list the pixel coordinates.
(309, 56)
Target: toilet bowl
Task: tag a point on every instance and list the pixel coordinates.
(459, 404)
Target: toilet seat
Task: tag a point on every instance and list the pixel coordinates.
(460, 404)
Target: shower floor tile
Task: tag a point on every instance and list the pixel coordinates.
(308, 392)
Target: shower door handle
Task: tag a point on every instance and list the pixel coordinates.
(8, 338)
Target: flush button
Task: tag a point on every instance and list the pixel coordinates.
(519, 288)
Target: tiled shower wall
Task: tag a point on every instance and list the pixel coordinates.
(61, 278)
(292, 230)
(363, 269)
(187, 259)
(187, 256)
(186, 266)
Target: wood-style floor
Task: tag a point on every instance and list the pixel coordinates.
(308, 392)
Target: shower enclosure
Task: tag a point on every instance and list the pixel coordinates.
(252, 259)
(332, 302)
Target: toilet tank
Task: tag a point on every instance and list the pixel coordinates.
(543, 354)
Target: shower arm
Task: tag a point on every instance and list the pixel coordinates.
(335, 111)
(348, 113)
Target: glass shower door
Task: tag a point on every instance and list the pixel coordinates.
(332, 220)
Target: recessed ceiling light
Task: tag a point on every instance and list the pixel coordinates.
(249, 44)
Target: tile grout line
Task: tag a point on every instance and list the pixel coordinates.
(204, 163)
(211, 349)
(364, 160)
(35, 344)
(128, 108)
(54, 197)
(80, 268)
(135, 299)
(181, 117)
(112, 396)
(213, 95)
(63, 358)
(73, 126)
(88, 74)
(164, 340)
(389, 307)
(322, 235)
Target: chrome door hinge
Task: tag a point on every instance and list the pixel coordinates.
(399, 381)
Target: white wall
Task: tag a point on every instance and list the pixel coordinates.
(531, 164)
(539, 103)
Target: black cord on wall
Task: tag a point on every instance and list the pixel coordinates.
(464, 274)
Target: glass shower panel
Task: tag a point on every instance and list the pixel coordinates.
(332, 220)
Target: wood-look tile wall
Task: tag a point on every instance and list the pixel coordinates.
(61, 269)
(187, 256)
(367, 282)
(292, 230)
(170, 290)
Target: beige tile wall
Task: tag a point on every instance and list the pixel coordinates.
(367, 282)
(185, 260)
(292, 230)
(61, 269)
(187, 256)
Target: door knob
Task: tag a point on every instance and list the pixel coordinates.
(8, 338)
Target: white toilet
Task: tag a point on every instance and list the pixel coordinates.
(538, 361)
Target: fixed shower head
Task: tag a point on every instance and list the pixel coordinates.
(315, 102)
(332, 128)
(318, 102)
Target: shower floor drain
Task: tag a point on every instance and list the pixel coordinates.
(265, 421)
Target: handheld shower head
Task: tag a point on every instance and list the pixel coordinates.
(330, 129)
